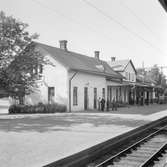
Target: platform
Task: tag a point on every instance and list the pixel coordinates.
(36, 140)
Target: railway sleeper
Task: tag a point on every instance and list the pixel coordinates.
(130, 158)
(127, 163)
(148, 149)
(121, 165)
(141, 153)
(153, 143)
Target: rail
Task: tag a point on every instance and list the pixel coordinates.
(89, 155)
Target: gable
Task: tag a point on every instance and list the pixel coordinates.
(130, 68)
(118, 65)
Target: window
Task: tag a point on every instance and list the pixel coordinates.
(126, 75)
(51, 94)
(103, 92)
(38, 69)
(129, 76)
(133, 77)
(75, 96)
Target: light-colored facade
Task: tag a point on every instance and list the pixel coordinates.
(52, 77)
(124, 92)
(129, 73)
(79, 89)
(87, 82)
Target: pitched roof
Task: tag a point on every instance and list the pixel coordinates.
(145, 79)
(144, 76)
(75, 61)
(164, 4)
(120, 65)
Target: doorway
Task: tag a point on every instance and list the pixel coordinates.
(51, 95)
(95, 98)
(85, 98)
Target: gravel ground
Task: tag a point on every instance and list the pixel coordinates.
(36, 140)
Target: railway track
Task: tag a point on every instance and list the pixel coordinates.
(143, 153)
(144, 146)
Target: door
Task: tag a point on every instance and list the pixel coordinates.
(51, 94)
(85, 98)
(95, 98)
(147, 97)
(117, 94)
(110, 94)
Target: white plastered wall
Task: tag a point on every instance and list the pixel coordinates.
(82, 80)
(53, 76)
(129, 69)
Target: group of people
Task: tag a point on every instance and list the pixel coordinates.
(101, 104)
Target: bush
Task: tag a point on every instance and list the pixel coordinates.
(39, 108)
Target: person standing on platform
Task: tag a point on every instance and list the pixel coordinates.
(102, 104)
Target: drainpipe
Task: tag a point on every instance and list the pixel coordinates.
(70, 90)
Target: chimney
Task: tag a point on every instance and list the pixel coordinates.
(113, 59)
(63, 44)
(97, 53)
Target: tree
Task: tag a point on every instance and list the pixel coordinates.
(19, 58)
(158, 76)
(154, 75)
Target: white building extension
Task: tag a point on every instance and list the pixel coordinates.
(74, 80)
(125, 67)
(128, 71)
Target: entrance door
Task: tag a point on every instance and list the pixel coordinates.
(95, 98)
(109, 94)
(51, 94)
(85, 98)
(117, 94)
(147, 98)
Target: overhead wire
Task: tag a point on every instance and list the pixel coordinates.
(93, 29)
(111, 18)
(139, 19)
(58, 13)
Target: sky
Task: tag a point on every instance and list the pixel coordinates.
(125, 29)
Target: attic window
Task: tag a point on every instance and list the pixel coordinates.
(100, 67)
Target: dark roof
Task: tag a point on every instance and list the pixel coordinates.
(120, 65)
(145, 79)
(164, 4)
(75, 61)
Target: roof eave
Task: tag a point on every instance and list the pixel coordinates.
(164, 4)
(97, 73)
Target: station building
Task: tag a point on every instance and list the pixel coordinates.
(79, 81)
(126, 88)
(73, 79)
(136, 88)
